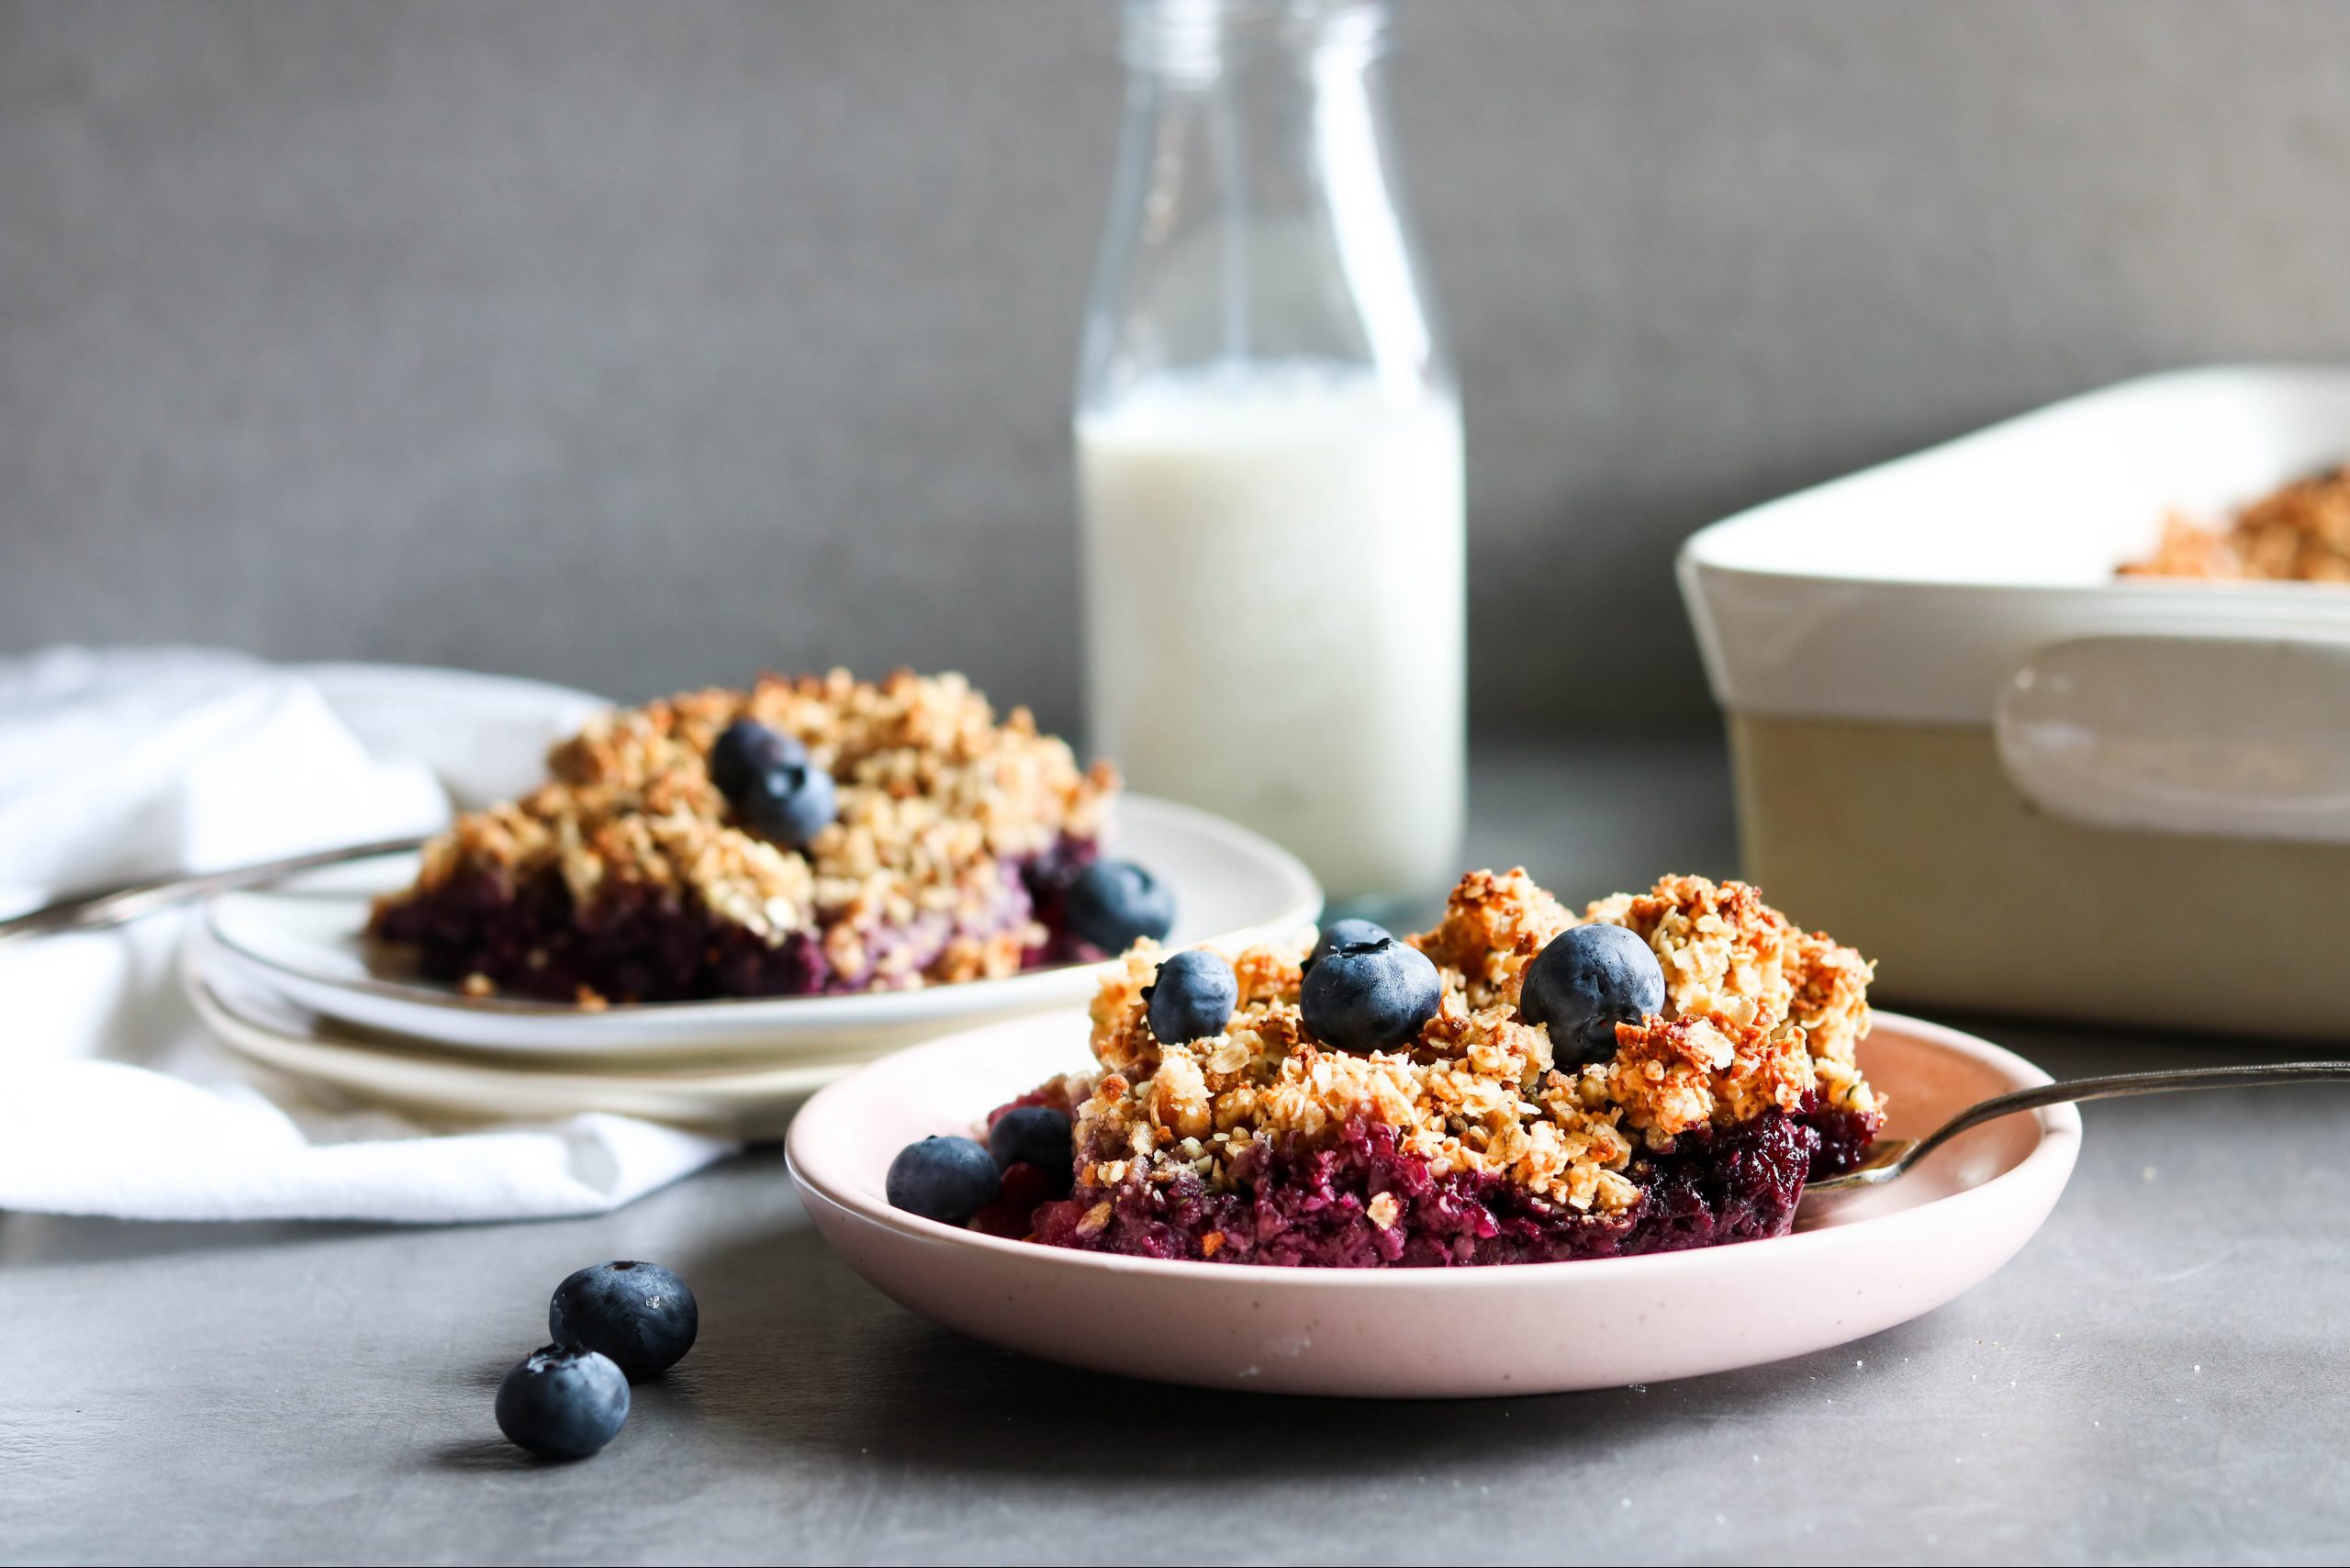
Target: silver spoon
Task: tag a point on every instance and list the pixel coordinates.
(1891, 1159)
(112, 906)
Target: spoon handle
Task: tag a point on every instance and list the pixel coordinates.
(2071, 1092)
(2120, 1084)
(112, 906)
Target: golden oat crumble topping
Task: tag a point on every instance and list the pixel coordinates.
(1757, 1014)
(934, 795)
(2299, 534)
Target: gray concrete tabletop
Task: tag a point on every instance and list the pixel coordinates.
(2157, 1377)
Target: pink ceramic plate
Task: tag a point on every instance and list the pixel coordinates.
(1861, 1264)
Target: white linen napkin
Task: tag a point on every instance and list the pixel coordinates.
(114, 1100)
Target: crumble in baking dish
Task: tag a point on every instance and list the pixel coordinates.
(2299, 532)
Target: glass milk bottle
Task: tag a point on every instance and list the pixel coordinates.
(1269, 451)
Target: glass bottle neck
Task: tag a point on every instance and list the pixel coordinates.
(1256, 226)
(1193, 40)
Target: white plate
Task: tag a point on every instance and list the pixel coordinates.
(1860, 1266)
(303, 937)
(266, 1028)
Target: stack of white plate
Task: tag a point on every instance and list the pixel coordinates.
(286, 978)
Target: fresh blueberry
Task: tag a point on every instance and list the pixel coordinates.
(640, 1314)
(747, 748)
(1033, 1135)
(1369, 996)
(1339, 932)
(563, 1402)
(1192, 997)
(776, 791)
(1590, 979)
(944, 1179)
(1114, 903)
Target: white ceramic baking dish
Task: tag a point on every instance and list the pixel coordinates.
(1961, 744)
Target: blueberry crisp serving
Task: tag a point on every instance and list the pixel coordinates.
(1515, 1085)
(808, 835)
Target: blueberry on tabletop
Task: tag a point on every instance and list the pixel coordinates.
(1370, 996)
(1590, 979)
(944, 1179)
(1033, 1135)
(747, 748)
(1114, 904)
(1193, 996)
(640, 1314)
(563, 1402)
(1339, 932)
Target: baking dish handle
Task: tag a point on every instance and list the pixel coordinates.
(2237, 734)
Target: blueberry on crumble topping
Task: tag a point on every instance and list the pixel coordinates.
(784, 799)
(640, 1314)
(1033, 1135)
(1339, 933)
(1115, 904)
(767, 776)
(944, 1179)
(1192, 997)
(1370, 996)
(1585, 981)
(563, 1402)
(745, 749)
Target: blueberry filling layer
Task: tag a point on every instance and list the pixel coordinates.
(643, 944)
(1360, 1202)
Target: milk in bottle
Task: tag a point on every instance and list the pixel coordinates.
(1270, 453)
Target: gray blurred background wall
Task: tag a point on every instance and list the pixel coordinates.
(642, 345)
